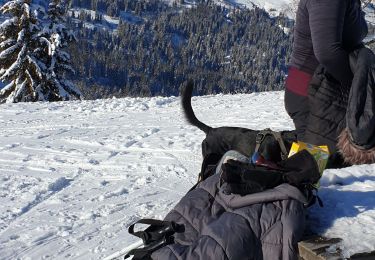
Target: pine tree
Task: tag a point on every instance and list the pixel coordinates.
(19, 51)
(57, 37)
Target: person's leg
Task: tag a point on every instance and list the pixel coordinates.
(298, 109)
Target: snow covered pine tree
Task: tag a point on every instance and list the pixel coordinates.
(24, 54)
(18, 49)
(57, 36)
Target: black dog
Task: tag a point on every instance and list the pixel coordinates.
(222, 139)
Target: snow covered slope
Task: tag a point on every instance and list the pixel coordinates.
(75, 175)
(370, 13)
(265, 4)
(274, 7)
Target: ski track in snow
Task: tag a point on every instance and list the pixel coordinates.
(75, 175)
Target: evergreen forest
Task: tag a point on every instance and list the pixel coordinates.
(155, 47)
(104, 48)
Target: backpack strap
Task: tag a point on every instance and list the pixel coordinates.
(311, 194)
(208, 167)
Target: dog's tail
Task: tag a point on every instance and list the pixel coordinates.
(186, 93)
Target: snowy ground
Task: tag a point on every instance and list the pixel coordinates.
(75, 175)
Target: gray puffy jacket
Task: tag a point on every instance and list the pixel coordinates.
(265, 225)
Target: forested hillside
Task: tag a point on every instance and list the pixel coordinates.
(147, 48)
(150, 47)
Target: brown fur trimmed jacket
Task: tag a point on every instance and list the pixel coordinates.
(357, 140)
(334, 107)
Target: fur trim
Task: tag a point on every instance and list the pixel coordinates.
(353, 153)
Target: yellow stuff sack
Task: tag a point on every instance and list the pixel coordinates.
(320, 153)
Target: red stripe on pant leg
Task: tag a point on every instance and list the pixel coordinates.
(298, 81)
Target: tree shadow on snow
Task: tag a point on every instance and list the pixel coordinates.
(340, 201)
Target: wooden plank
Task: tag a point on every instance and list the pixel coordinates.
(363, 256)
(319, 248)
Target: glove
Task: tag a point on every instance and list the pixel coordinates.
(300, 169)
